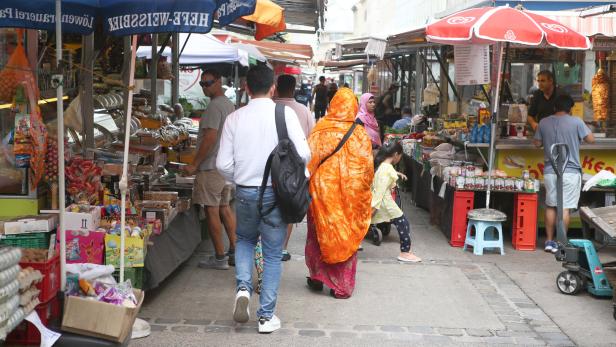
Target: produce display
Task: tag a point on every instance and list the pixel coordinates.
(600, 95)
(83, 180)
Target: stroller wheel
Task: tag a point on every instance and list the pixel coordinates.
(377, 236)
(569, 283)
(385, 228)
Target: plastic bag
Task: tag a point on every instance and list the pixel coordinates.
(16, 71)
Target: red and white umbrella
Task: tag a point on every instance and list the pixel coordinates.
(487, 25)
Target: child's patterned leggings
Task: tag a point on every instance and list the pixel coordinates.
(404, 231)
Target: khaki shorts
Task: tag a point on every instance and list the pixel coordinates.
(210, 189)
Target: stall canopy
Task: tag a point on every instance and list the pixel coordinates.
(202, 49)
(268, 18)
(604, 24)
(274, 50)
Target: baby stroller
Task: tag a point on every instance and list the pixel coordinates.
(383, 229)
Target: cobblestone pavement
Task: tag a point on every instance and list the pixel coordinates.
(452, 298)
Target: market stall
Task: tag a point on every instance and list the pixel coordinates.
(122, 209)
(482, 138)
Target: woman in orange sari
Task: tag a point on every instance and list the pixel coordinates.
(340, 212)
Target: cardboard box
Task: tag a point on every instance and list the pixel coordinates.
(134, 251)
(99, 319)
(84, 247)
(29, 224)
(87, 221)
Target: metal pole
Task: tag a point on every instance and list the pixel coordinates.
(154, 74)
(86, 91)
(60, 115)
(175, 66)
(124, 180)
(418, 82)
(498, 49)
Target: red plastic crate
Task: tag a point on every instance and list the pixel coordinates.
(463, 201)
(26, 333)
(50, 284)
(525, 222)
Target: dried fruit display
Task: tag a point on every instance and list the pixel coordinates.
(600, 95)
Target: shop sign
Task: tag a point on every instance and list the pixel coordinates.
(230, 10)
(472, 64)
(514, 161)
(604, 44)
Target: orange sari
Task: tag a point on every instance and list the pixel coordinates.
(340, 188)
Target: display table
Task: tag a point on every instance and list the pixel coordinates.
(172, 247)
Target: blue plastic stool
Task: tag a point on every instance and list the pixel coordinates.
(487, 224)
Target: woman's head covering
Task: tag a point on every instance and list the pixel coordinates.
(372, 126)
(340, 187)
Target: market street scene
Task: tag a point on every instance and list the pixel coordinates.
(307, 173)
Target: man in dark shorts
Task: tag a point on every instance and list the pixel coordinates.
(543, 99)
(319, 94)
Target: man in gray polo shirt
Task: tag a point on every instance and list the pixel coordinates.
(561, 127)
(210, 189)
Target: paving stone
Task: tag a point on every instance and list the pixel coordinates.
(512, 333)
(499, 340)
(406, 337)
(224, 323)
(156, 327)
(312, 333)
(167, 320)
(364, 327)
(479, 332)
(343, 334)
(518, 327)
(451, 331)
(526, 341)
(286, 332)
(246, 330)
(305, 325)
(560, 343)
(472, 340)
(547, 329)
(197, 321)
(184, 329)
(554, 336)
(393, 329)
(376, 336)
(421, 330)
(435, 340)
(216, 329)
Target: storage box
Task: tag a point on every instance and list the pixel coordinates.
(99, 319)
(26, 333)
(86, 221)
(134, 251)
(134, 274)
(29, 224)
(161, 196)
(84, 247)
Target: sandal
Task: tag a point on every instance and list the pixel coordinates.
(314, 285)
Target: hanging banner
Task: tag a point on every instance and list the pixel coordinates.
(78, 17)
(131, 17)
(472, 64)
(230, 10)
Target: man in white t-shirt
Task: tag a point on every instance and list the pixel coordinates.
(248, 138)
(285, 89)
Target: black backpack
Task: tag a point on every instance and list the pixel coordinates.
(289, 180)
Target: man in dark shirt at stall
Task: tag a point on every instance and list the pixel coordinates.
(542, 102)
(319, 94)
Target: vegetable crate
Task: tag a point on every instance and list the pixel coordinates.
(136, 275)
(50, 284)
(30, 240)
(26, 333)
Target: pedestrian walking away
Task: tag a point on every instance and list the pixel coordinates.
(285, 86)
(248, 138)
(384, 207)
(561, 127)
(319, 94)
(211, 190)
(339, 215)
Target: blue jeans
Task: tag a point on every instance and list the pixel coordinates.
(250, 226)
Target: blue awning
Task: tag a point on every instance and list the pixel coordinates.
(123, 17)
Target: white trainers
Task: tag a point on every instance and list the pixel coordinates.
(267, 326)
(241, 311)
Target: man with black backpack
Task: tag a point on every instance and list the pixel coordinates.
(258, 139)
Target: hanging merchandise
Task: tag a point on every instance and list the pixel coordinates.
(600, 95)
(83, 181)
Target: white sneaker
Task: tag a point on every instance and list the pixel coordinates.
(241, 311)
(267, 326)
